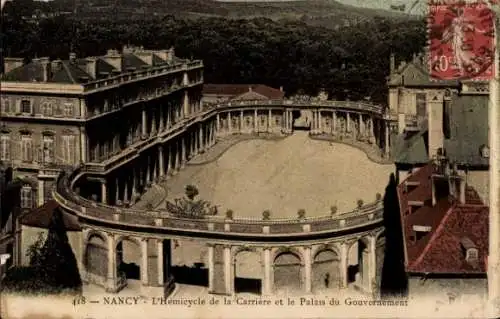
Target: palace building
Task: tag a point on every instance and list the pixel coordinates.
(65, 113)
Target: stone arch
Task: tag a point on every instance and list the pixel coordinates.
(325, 268)
(128, 257)
(92, 232)
(288, 270)
(95, 257)
(291, 250)
(247, 265)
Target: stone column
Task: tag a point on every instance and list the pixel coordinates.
(361, 126)
(218, 121)
(112, 271)
(211, 267)
(386, 146)
(153, 123)
(83, 252)
(117, 190)
(268, 275)
(161, 119)
(255, 124)
(41, 193)
(169, 120)
(307, 269)
(186, 103)
(104, 191)
(83, 145)
(344, 249)
(144, 261)
(269, 121)
(169, 159)
(228, 274)
(241, 121)
(348, 122)
(183, 151)
(373, 263)
(315, 121)
(320, 122)
(125, 191)
(148, 169)
(144, 130)
(285, 121)
(134, 185)
(160, 161)
(177, 156)
(159, 260)
(229, 124)
(334, 121)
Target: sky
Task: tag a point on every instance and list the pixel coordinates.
(375, 4)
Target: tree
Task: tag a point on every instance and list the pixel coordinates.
(191, 191)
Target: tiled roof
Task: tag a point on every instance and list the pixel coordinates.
(439, 251)
(132, 61)
(468, 128)
(31, 72)
(234, 90)
(40, 217)
(250, 96)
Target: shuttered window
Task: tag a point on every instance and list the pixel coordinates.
(68, 149)
(27, 148)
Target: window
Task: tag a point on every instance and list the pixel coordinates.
(26, 197)
(446, 119)
(25, 106)
(68, 109)
(4, 147)
(263, 120)
(26, 148)
(277, 120)
(421, 104)
(47, 109)
(48, 149)
(68, 149)
(6, 106)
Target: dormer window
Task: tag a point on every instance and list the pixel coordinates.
(419, 231)
(484, 151)
(469, 250)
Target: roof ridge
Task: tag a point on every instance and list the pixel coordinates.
(434, 236)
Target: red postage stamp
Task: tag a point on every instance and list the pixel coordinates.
(461, 41)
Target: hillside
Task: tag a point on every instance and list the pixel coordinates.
(327, 13)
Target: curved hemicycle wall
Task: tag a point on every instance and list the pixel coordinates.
(318, 249)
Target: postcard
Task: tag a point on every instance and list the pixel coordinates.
(249, 159)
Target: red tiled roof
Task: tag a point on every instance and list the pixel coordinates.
(440, 251)
(234, 90)
(40, 217)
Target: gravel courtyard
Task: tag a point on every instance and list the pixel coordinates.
(284, 176)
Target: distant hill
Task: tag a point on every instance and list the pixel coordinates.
(327, 13)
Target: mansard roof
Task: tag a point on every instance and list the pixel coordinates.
(75, 71)
(415, 73)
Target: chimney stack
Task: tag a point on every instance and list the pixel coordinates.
(10, 64)
(115, 59)
(281, 88)
(56, 66)
(392, 63)
(72, 57)
(250, 88)
(46, 68)
(91, 66)
(171, 54)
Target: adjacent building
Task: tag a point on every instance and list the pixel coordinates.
(431, 117)
(58, 114)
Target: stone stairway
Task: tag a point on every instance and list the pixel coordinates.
(154, 196)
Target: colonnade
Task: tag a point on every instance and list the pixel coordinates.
(156, 163)
(155, 262)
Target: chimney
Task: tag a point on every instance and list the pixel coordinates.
(469, 249)
(392, 63)
(171, 54)
(281, 88)
(72, 57)
(91, 67)
(46, 68)
(56, 66)
(10, 64)
(115, 59)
